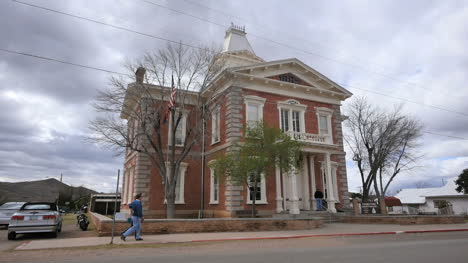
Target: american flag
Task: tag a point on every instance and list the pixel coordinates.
(171, 101)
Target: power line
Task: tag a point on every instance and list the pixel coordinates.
(196, 47)
(211, 22)
(443, 135)
(106, 24)
(406, 100)
(288, 46)
(114, 72)
(282, 32)
(62, 61)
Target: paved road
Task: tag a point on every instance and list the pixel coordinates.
(427, 248)
(69, 230)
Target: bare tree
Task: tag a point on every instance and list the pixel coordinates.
(383, 144)
(146, 117)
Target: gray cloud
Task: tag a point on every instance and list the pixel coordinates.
(45, 106)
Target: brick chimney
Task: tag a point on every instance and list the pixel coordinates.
(140, 75)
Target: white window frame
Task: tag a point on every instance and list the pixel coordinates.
(263, 200)
(251, 100)
(215, 117)
(213, 201)
(182, 122)
(179, 196)
(326, 112)
(290, 106)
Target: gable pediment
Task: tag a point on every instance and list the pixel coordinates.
(292, 71)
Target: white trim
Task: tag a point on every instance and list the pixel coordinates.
(335, 182)
(183, 124)
(263, 200)
(215, 114)
(212, 195)
(254, 101)
(294, 61)
(292, 105)
(325, 112)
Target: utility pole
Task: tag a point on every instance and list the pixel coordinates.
(115, 206)
(60, 177)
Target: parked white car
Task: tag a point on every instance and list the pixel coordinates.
(35, 217)
(7, 210)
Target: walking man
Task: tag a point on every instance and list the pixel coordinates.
(137, 218)
(318, 199)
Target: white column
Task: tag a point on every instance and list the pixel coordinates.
(305, 184)
(312, 181)
(279, 198)
(294, 209)
(335, 184)
(330, 189)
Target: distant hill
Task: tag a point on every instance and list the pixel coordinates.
(42, 190)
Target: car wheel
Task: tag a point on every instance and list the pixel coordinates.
(11, 235)
(60, 228)
(55, 234)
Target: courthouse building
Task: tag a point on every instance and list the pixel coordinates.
(284, 93)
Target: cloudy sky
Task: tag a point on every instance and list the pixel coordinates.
(388, 51)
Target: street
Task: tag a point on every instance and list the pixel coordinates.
(427, 248)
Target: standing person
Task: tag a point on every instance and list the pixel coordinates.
(137, 218)
(318, 198)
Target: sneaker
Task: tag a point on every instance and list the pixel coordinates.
(122, 237)
(139, 239)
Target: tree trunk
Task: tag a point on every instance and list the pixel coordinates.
(170, 207)
(254, 197)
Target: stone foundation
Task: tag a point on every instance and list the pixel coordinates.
(403, 220)
(103, 225)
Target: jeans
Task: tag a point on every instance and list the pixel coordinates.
(135, 228)
(319, 204)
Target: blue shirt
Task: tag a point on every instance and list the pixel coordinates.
(137, 208)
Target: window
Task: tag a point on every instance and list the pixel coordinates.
(180, 130)
(260, 197)
(289, 78)
(292, 116)
(295, 121)
(324, 116)
(440, 203)
(284, 120)
(323, 124)
(254, 109)
(214, 188)
(253, 115)
(180, 183)
(215, 127)
(39, 207)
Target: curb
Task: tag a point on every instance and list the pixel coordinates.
(337, 235)
(24, 244)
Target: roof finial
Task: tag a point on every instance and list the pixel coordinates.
(239, 28)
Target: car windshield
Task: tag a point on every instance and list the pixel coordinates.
(37, 207)
(11, 206)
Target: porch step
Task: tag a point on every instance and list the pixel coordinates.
(325, 216)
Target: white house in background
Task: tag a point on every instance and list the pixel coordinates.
(429, 200)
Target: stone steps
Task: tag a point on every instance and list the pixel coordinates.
(325, 216)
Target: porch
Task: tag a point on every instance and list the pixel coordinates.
(295, 190)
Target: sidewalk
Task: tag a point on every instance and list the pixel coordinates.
(337, 229)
